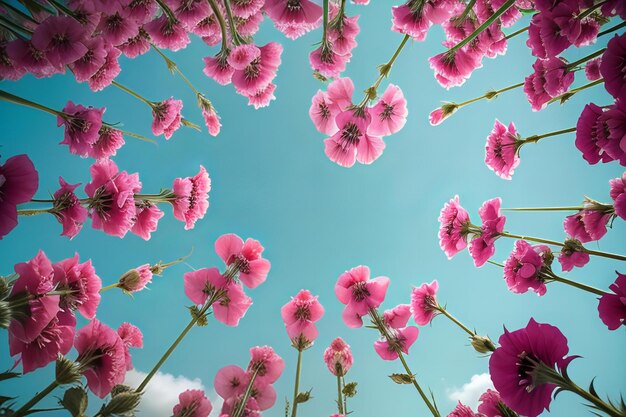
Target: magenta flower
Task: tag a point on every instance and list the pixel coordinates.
(359, 293)
(511, 366)
(116, 28)
(61, 37)
(102, 353)
(618, 194)
(572, 255)
(612, 67)
(461, 410)
(266, 363)
(592, 134)
(244, 257)
(86, 66)
(424, 303)
(82, 127)
(112, 205)
(452, 70)
(136, 46)
(147, 216)
(300, 315)
(229, 381)
(397, 317)
(109, 141)
(192, 197)
(389, 113)
(136, 279)
(167, 33)
(501, 150)
(192, 403)
(131, 337)
(546, 37)
(68, 210)
(587, 225)
(592, 69)
(338, 357)
(27, 58)
(402, 339)
(18, 183)
(107, 72)
(454, 221)
(523, 270)
(166, 117)
(482, 246)
(612, 307)
(490, 402)
(550, 78)
(82, 281)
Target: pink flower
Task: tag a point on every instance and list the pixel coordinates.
(550, 79)
(408, 22)
(453, 69)
(612, 67)
(109, 141)
(82, 127)
(616, 123)
(190, 13)
(523, 270)
(68, 210)
(131, 337)
(82, 280)
(359, 293)
(244, 258)
(424, 303)
(338, 357)
(26, 57)
(501, 154)
(211, 120)
(136, 279)
(229, 381)
(61, 37)
(612, 307)
(300, 315)
(167, 33)
(266, 363)
(490, 404)
(218, 68)
(247, 8)
(9, 68)
(241, 56)
(327, 61)
(323, 113)
(109, 369)
(352, 142)
(293, 18)
(107, 73)
(587, 225)
(116, 28)
(482, 246)
(146, 218)
(340, 95)
(511, 366)
(545, 36)
(389, 113)
(397, 317)
(136, 46)
(461, 410)
(192, 403)
(403, 339)
(166, 117)
(572, 254)
(453, 221)
(592, 134)
(592, 69)
(18, 183)
(112, 205)
(262, 98)
(618, 194)
(86, 66)
(260, 72)
(192, 198)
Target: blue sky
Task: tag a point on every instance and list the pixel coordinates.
(272, 181)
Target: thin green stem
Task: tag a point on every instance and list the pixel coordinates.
(109, 287)
(578, 285)
(455, 321)
(38, 397)
(18, 12)
(506, 6)
(33, 212)
(339, 396)
(325, 21)
(612, 29)
(571, 208)
(345, 397)
(537, 138)
(134, 94)
(231, 23)
(591, 10)
(570, 93)
(296, 388)
(491, 94)
(11, 98)
(172, 65)
(517, 32)
(466, 11)
(242, 404)
(220, 19)
(585, 59)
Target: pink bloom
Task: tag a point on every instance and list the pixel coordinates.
(451, 70)
(402, 338)
(241, 56)
(352, 142)
(103, 374)
(107, 73)
(218, 68)
(146, 218)
(414, 24)
(249, 26)
(263, 394)
(260, 72)
(86, 66)
(489, 404)
(453, 221)
(360, 294)
(545, 37)
(294, 18)
(82, 127)
(137, 45)
(109, 141)
(342, 35)
(141, 11)
(612, 67)
(131, 337)
(68, 210)
(340, 95)
(592, 69)
(323, 113)
(397, 317)
(461, 410)
(167, 33)
(9, 68)
(166, 117)
(192, 403)
(618, 194)
(338, 357)
(18, 183)
(190, 13)
(192, 197)
(550, 79)
(511, 368)
(244, 258)
(437, 116)
(482, 246)
(523, 270)
(266, 363)
(587, 225)
(389, 114)
(112, 206)
(327, 61)
(247, 8)
(616, 123)
(116, 28)
(211, 120)
(82, 280)
(61, 37)
(424, 303)
(229, 381)
(136, 279)
(501, 150)
(592, 134)
(263, 97)
(300, 315)
(26, 57)
(612, 307)
(573, 255)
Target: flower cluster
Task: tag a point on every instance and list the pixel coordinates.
(300, 315)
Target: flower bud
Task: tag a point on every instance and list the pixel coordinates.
(482, 344)
(67, 371)
(5, 314)
(124, 403)
(75, 401)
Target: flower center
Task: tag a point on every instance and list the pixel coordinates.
(360, 291)
(524, 369)
(350, 135)
(253, 70)
(303, 313)
(293, 5)
(323, 111)
(387, 112)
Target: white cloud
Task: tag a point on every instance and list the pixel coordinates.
(469, 393)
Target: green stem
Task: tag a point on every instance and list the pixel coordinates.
(591, 10)
(296, 389)
(491, 94)
(325, 21)
(578, 285)
(242, 404)
(506, 6)
(585, 59)
(612, 29)
(220, 19)
(109, 287)
(172, 65)
(517, 32)
(570, 93)
(343, 386)
(33, 212)
(231, 23)
(455, 321)
(339, 396)
(134, 94)
(537, 138)
(38, 397)
(466, 11)
(170, 14)
(18, 12)
(6, 96)
(572, 208)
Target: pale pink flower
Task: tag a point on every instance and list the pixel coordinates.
(389, 113)
(501, 154)
(340, 94)
(61, 37)
(263, 394)
(338, 357)
(352, 142)
(323, 113)
(260, 72)
(327, 61)
(523, 270)
(192, 197)
(246, 8)
(249, 26)
(166, 117)
(82, 127)
(218, 68)
(167, 33)
(244, 258)
(266, 363)
(453, 221)
(342, 35)
(293, 18)
(612, 307)
(146, 219)
(424, 303)
(82, 281)
(211, 120)
(403, 339)
(263, 97)
(397, 317)
(300, 315)
(229, 381)
(18, 183)
(136, 279)
(107, 73)
(192, 403)
(359, 293)
(405, 21)
(131, 337)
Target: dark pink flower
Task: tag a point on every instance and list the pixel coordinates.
(263, 97)
(137, 45)
(136, 279)
(229, 381)
(167, 33)
(109, 141)
(244, 258)
(61, 37)
(592, 134)
(82, 127)
(490, 402)
(587, 225)
(166, 117)
(117, 28)
(616, 124)
(25, 56)
(192, 197)
(146, 219)
(545, 37)
(266, 363)
(618, 194)
(82, 281)
(592, 69)
(101, 351)
(300, 315)
(612, 307)
(511, 366)
(18, 183)
(338, 357)
(359, 293)
(453, 69)
(86, 66)
(612, 67)
(482, 246)
(397, 317)
(112, 205)
(550, 79)
(402, 339)
(453, 222)
(523, 270)
(389, 113)
(461, 410)
(424, 303)
(572, 255)
(131, 337)
(190, 13)
(68, 209)
(501, 150)
(107, 72)
(192, 403)
(9, 68)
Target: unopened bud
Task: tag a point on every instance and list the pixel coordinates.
(75, 401)
(482, 344)
(123, 403)
(119, 389)
(303, 397)
(67, 371)
(201, 319)
(491, 94)
(5, 314)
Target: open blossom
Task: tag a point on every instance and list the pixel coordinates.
(68, 210)
(618, 194)
(359, 293)
(587, 225)
(192, 403)
(338, 357)
(573, 255)
(294, 18)
(424, 302)
(389, 113)
(131, 337)
(266, 363)
(82, 281)
(592, 134)
(453, 69)
(108, 71)
(82, 126)
(612, 307)
(511, 366)
(453, 221)
(245, 257)
(592, 69)
(86, 66)
(461, 410)
(259, 72)
(501, 150)
(300, 315)
(166, 117)
(397, 317)
(352, 142)
(612, 67)
(192, 197)
(323, 113)
(523, 270)
(109, 141)
(482, 246)
(146, 219)
(18, 183)
(551, 77)
(489, 402)
(167, 33)
(230, 381)
(402, 339)
(61, 37)
(116, 28)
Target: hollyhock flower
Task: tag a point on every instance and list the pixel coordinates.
(107, 73)
(136, 279)
(323, 113)
(81, 279)
(192, 197)
(403, 339)
(452, 69)
(61, 37)
(263, 394)
(482, 246)
(300, 315)
(18, 183)
(461, 410)
(592, 69)
(218, 68)
(167, 33)
(618, 194)
(293, 18)
(229, 381)
(550, 79)
(397, 317)
(453, 221)
(109, 141)
(266, 363)
(352, 142)
(424, 303)
(26, 57)
(338, 357)
(82, 126)
(572, 255)
(86, 66)
(244, 257)
(36, 279)
(359, 293)
(68, 210)
(587, 225)
(263, 97)
(54, 339)
(523, 270)
(192, 403)
(166, 117)
(137, 45)
(389, 113)
(501, 150)
(612, 307)
(112, 205)
(241, 56)
(511, 366)
(490, 402)
(131, 337)
(116, 28)
(592, 134)
(109, 369)
(260, 72)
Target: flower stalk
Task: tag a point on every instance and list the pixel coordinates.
(296, 389)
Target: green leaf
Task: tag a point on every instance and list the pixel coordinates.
(350, 389)
(303, 397)
(402, 378)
